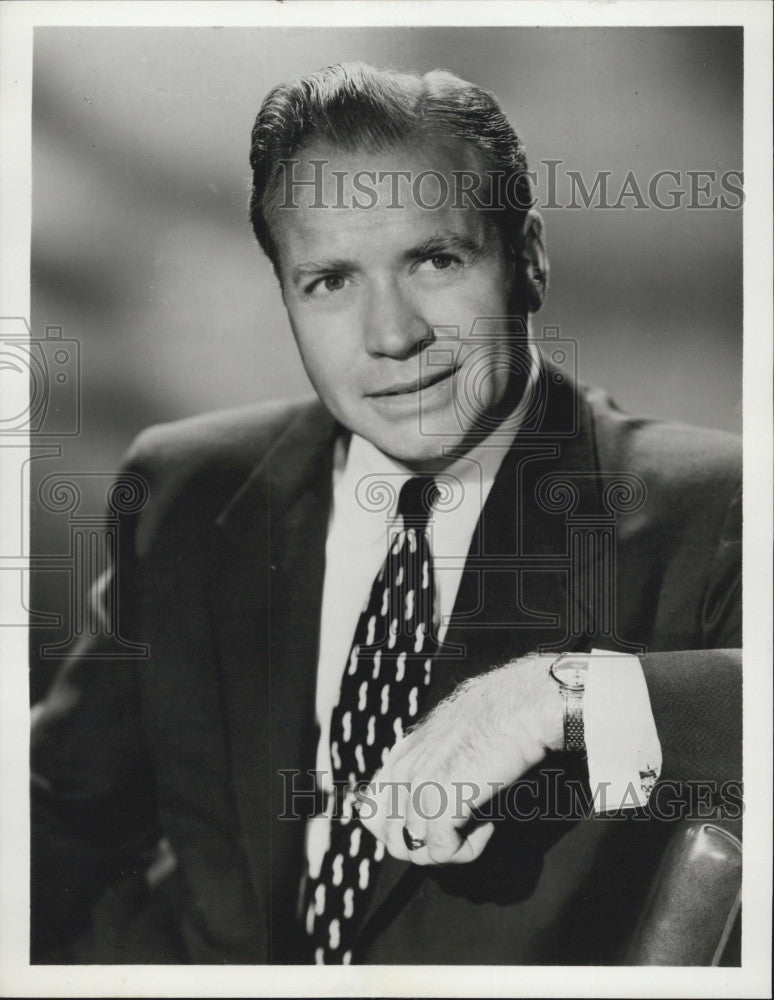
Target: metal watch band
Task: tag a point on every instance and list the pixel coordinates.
(574, 732)
(572, 688)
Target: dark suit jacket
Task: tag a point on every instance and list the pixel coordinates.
(221, 575)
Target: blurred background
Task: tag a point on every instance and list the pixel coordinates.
(143, 254)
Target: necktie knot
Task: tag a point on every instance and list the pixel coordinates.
(416, 500)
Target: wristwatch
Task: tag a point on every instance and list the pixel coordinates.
(569, 671)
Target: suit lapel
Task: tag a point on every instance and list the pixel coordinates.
(266, 605)
(514, 596)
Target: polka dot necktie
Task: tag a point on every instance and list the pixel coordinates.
(387, 671)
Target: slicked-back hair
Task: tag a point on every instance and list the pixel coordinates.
(357, 107)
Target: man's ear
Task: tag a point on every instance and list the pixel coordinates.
(532, 259)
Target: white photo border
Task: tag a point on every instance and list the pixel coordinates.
(17, 977)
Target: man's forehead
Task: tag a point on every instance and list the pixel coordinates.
(329, 193)
(424, 172)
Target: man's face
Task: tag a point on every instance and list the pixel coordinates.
(369, 289)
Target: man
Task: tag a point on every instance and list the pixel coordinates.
(354, 735)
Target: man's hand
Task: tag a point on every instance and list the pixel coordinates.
(482, 738)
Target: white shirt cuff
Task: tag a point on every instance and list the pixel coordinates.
(623, 748)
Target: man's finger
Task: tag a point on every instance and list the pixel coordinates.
(393, 807)
(443, 841)
(371, 807)
(414, 825)
(472, 846)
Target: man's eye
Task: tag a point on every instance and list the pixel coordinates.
(330, 283)
(440, 262)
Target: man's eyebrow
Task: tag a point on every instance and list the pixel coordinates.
(309, 268)
(446, 243)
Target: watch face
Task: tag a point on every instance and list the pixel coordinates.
(571, 673)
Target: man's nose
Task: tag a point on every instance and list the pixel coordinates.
(393, 325)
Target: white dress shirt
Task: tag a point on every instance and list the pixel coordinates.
(622, 743)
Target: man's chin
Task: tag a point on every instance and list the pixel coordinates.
(422, 452)
(422, 441)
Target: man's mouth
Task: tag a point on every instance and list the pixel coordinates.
(416, 385)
